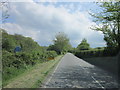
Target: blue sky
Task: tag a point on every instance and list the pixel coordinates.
(42, 21)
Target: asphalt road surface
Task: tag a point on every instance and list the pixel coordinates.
(72, 72)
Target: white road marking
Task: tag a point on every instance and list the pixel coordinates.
(45, 86)
(93, 78)
(52, 74)
(97, 82)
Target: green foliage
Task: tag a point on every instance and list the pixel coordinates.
(11, 72)
(96, 52)
(61, 43)
(8, 42)
(51, 54)
(51, 47)
(89, 53)
(108, 21)
(73, 50)
(14, 63)
(83, 45)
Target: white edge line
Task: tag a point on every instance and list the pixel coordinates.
(52, 74)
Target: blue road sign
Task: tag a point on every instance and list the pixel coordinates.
(17, 49)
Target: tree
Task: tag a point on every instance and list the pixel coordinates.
(61, 43)
(83, 45)
(8, 42)
(108, 21)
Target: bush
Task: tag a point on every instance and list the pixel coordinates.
(10, 72)
(89, 53)
(7, 58)
(96, 53)
(14, 63)
(50, 55)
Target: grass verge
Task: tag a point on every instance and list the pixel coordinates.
(34, 77)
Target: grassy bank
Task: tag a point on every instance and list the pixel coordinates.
(33, 77)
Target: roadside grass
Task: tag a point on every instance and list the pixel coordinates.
(34, 76)
(15, 73)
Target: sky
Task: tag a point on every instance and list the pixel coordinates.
(43, 20)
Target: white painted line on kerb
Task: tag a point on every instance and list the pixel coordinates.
(93, 78)
(52, 74)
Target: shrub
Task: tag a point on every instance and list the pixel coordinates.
(51, 55)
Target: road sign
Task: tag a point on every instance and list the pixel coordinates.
(17, 49)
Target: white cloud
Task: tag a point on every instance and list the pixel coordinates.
(16, 29)
(42, 22)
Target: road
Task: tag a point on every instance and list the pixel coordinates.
(72, 72)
